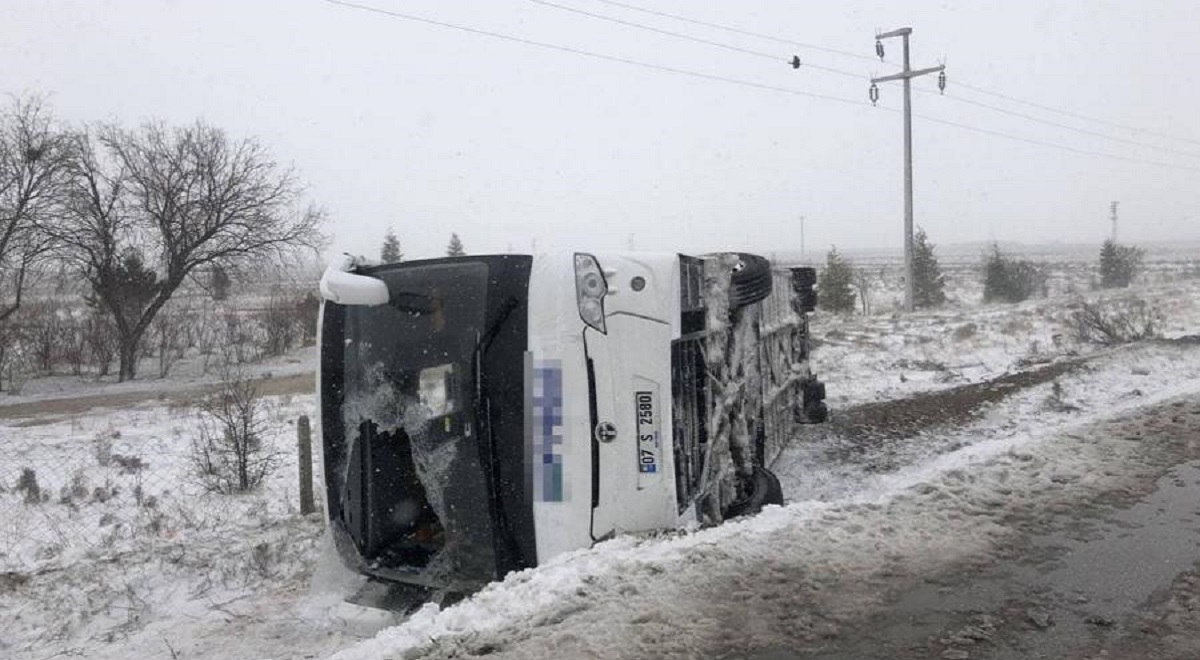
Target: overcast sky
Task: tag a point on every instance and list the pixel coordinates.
(428, 129)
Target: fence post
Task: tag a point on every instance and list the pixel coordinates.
(304, 446)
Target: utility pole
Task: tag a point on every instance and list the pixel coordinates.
(801, 238)
(907, 74)
(1113, 209)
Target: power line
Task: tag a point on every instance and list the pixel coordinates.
(1053, 145)
(732, 81)
(733, 30)
(587, 53)
(1068, 127)
(965, 85)
(668, 33)
(1075, 115)
(688, 37)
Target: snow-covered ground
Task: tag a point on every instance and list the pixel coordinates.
(124, 542)
(794, 574)
(205, 576)
(881, 357)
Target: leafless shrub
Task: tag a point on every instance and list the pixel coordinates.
(13, 356)
(143, 499)
(308, 308)
(77, 490)
(102, 446)
(72, 347)
(129, 464)
(280, 331)
(1056, 401)
(102, 343)
(289, 320)
(207, 329)
(230, 453)
(16, 367)
(168, 333)
(1114, 322)
(45, 329)
(965, 332)
(28, 484)
(105, 492)
(238, 345)
(864, 283)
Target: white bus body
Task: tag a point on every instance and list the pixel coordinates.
(483, 414)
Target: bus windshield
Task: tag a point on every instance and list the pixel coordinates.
(413, 495)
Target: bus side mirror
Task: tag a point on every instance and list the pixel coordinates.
(340, 285)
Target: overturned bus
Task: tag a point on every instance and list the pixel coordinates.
(482, 414)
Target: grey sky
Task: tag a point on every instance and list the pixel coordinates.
(433, 130)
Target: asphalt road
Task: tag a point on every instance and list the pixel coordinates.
(1113, 578)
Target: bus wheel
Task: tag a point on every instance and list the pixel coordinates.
(764, 490)
(750, 282)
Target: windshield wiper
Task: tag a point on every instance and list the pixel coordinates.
(506, 309)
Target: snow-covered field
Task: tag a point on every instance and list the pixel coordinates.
(888, 356)
(206, 576)
(123, 536)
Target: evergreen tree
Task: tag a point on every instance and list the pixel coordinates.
(1011, 280)
(928, 283)
(455, 247)
(128, 286)
(836, 284)
(390, 252)
(1119, 264)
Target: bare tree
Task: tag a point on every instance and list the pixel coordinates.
(181, 199)
(863, 282)
(33, 162)
(1114, 322)
(168, 329)
(231, 454)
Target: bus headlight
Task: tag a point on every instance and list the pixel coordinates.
(590, 289)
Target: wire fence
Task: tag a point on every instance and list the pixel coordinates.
(112, 482)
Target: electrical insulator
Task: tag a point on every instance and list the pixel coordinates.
(879, 49)
(942, 81)
(795, 61)
(874, 93)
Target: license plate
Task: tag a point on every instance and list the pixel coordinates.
(648, 443)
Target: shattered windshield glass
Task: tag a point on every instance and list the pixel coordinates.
(408, 418)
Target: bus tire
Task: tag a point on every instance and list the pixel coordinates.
(750, 282)
(764, 490)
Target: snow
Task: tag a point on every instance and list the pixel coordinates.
(813, 563)
(247, 577)
(883, 357)
(1114, 384)
(340, 285)
(121, 561)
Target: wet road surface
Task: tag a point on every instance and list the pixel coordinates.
(1115, 578)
